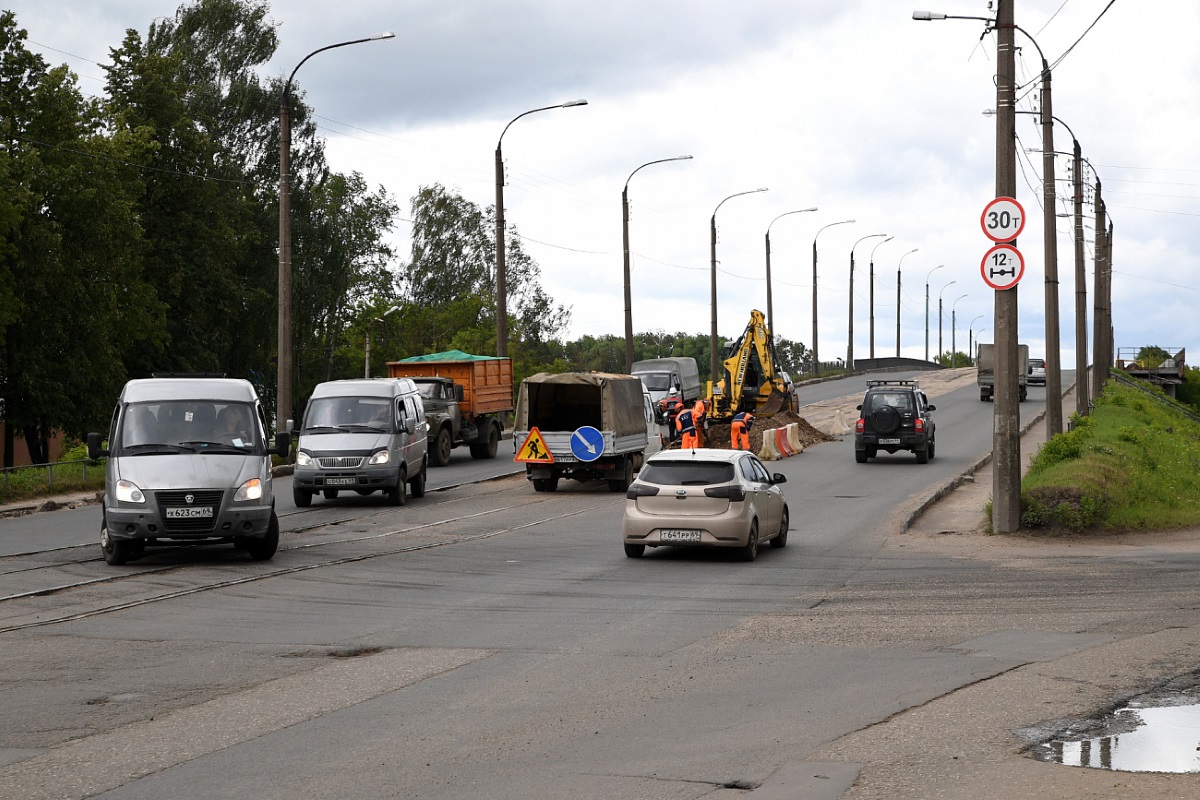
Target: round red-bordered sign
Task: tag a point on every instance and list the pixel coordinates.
(1002, 220)
(1002, 267)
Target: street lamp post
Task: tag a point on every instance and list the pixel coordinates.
(971, 339)
(850, 327)
(501, 277)
(906, 255)
(871, 301)
(935, 269)
(713, 364)
(283, 356)
(981, 330)
(815, 362)
(948, 285)
(953, 331)
(625, 243)
(367, 368)
(770, 307)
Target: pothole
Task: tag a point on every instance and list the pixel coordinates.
(1158, 733)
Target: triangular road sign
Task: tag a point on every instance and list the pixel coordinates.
(534, 450)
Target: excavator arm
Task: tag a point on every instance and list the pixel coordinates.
(751, 381)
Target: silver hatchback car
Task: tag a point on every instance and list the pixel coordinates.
(705, 498)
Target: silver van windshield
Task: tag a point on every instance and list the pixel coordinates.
(348, 414)
(175, 426)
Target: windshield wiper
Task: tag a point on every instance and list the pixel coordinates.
(209, 447)
(156, 448)
(322, 428)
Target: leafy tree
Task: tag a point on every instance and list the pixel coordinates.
(69, 252)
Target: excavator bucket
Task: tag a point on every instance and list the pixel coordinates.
(776, 402)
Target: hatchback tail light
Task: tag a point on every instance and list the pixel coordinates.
(859, 425)
(733, 492)
(640, 490)
(919, 425)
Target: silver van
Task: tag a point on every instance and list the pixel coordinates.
(365, 435)
(188, 462)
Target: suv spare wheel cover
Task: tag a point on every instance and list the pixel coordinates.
(887, 419)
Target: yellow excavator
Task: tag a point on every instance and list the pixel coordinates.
(749, 378)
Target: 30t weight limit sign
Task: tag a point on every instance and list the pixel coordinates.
(1002, 267)
(1003, 219)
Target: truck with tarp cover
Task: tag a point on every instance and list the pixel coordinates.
(583, 426)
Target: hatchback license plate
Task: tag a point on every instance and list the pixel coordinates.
(339, 481)
(889, 441)
(673, 535)
(189, 512)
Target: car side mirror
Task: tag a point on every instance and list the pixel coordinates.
(410, 425)
(283, 444)
(858, 407)
(95, 451)
(779, 477)
(931, 407)
(290, 426)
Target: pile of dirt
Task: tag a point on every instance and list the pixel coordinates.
(717, 434)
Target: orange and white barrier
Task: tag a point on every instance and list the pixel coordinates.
(793, 434)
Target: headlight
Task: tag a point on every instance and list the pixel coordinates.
(250, 490)
(303, 459)
(380, 458)
(128, 493)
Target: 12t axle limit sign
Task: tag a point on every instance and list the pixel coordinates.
(1002, 267)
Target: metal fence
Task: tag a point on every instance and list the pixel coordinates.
(49, 469)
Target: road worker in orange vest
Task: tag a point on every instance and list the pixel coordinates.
(669, 408)
(700, 420)
(739, 430)
(687, 429)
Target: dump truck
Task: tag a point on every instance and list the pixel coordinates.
(580, 425)
(661, 375)
(985, 362)
(466, 400)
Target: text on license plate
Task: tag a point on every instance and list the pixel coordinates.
(675, 535)
(339, 481)
(889, 441)
(189, 512)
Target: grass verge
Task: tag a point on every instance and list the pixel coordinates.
(1132, 464)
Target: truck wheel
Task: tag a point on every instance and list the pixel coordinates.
(545, 484)
(264, 548)
(417, 484)
(622, 484)
(301, 497)
(398, 494)
(116, 551)
(487, 449)
(442, 445)
(330, 494)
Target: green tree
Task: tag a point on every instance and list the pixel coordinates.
(69, 252)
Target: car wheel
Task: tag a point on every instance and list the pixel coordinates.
(487, 449)
(301, 497)
(860, 456)
(442, 445)
(116, 551)
(780, 539)
(264, 548)
(622, 484)
(417, 484)
(330, 494)
(398, 494)
(635, 550)
(750, 551)
(932, 448)
(922, 456)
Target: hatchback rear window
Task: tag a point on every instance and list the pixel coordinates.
(686, 473)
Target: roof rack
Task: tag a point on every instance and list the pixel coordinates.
(913, 384)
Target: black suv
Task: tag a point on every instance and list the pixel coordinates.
(894, 415)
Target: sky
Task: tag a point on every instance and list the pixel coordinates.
(849, 106)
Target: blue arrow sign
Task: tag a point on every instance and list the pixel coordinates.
(587, 443)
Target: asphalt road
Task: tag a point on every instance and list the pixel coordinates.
(490, 641)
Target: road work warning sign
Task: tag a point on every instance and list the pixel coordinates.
(534, 450)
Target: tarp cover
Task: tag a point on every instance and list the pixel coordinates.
(569, 400)
(449, 355)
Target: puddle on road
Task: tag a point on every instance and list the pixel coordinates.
(1159, 735)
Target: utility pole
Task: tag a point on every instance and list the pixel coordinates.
(1054, 424)
(1098, 300)
(1081, 342)
(1006, 440)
